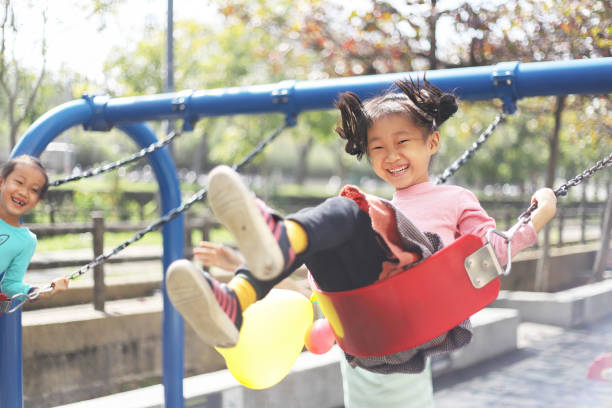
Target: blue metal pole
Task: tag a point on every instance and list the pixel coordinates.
(38, 136)
(52, 124)
(11, 369)
(508, 81)
(41, 133)
(172, 322)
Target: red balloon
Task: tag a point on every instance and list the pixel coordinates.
(319, 338)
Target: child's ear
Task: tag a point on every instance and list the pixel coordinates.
(433, 142)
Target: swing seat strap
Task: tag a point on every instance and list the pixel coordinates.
(415, 306)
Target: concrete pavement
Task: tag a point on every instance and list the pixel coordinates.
(548, 370)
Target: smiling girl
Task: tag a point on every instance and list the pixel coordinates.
(353, 240)
(23, 183)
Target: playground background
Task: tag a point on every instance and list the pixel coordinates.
(222, 44)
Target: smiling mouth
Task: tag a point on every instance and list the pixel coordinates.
(398, 170)
(18, 202)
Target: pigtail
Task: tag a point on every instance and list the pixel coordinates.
(448, 107)
(354, 124)
(430, 103)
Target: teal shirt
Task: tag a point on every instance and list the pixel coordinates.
(17, 245)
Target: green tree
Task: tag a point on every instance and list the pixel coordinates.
(234, 55)
(386, 36)
(18, 84)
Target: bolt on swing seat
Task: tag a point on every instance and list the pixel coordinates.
(416, 305)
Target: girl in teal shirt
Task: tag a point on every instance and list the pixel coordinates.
(23, 183)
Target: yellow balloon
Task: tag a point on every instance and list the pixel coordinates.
(271, 339)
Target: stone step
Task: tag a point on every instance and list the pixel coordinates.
(569, 308)
(495, 333)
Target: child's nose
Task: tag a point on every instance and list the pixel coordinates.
(22, 190)
(392, 155)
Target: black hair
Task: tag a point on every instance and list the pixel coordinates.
(423, 102)
(8, 167)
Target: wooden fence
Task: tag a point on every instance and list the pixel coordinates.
(574, 223)
(97, 228)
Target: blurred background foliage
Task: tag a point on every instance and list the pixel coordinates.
(265, 41)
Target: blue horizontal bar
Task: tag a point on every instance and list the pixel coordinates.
(508, 81)
(585, 76)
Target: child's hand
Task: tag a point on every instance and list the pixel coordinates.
(213, 254)
(547, 207)
(58, 285)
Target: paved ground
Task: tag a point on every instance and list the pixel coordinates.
(549, 370)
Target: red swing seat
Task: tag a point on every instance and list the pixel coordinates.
(410, 308)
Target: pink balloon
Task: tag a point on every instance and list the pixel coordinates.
(601, 368)
(319, 338)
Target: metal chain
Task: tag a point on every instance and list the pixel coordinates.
(470, 152)
(100, 259)
(5, 304)
(562, 189)
(111, 166)
(200, 195)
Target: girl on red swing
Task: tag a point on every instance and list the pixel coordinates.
(355, 239)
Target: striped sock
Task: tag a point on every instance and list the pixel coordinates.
(227, 299)
(281, 229)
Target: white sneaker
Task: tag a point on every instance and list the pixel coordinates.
(236, 208)
(209, 308)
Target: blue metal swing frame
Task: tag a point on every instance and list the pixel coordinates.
(507, 81)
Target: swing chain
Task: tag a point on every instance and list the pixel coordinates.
(452, 169)
(562, 189)
(5, 307)
(526, 215)
(174, 212)
(111, 166)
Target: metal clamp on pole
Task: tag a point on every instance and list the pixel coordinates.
(504, 82)
(182, 103)
(98, 106)
(284, 95)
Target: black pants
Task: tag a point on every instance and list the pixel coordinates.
(343, 250)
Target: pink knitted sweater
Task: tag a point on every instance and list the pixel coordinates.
(452, 211)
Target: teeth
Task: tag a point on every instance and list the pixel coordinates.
(19, 202)
(393, 171)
